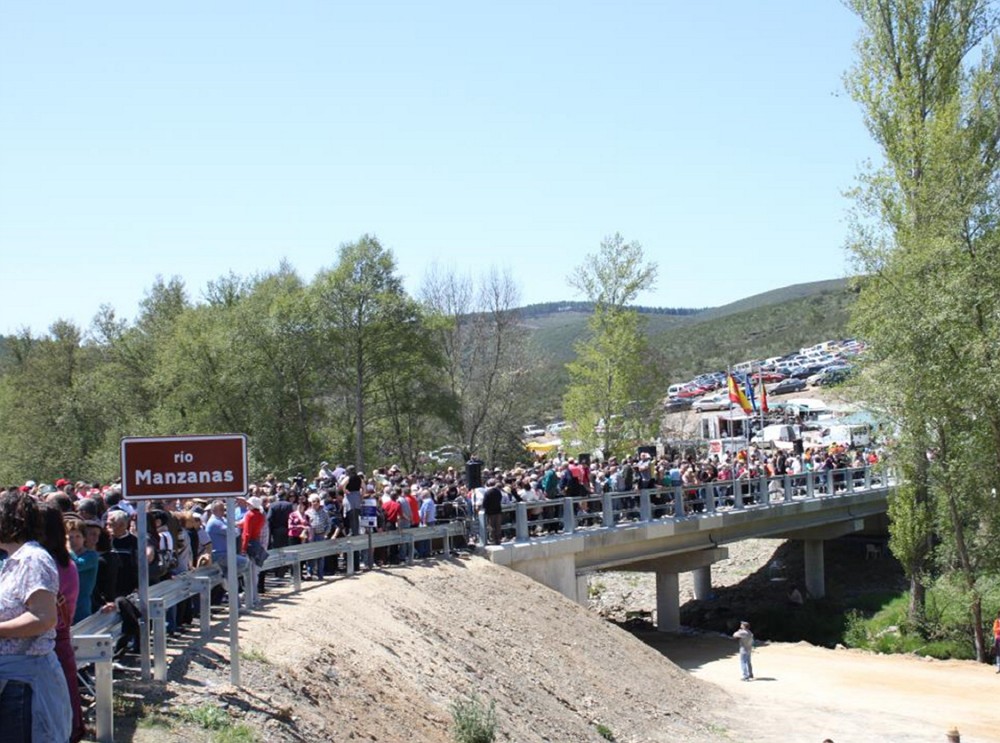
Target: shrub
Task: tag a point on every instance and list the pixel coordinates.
(472, 721)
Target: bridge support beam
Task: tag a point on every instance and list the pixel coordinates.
(812, 547)
(815, 569)
(668, 601)
(702, 582)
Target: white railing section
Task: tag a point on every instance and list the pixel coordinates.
(530, 520)
(94, 638)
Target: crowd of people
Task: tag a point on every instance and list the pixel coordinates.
(70, 549)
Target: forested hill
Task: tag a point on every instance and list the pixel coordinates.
(695, 341)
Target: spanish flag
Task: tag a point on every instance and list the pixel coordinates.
(737, 395)
(763, 396)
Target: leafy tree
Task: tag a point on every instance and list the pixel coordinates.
(615, 377)
(925, 237)
(368, 325)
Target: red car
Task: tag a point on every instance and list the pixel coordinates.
(769, 376)
(692, 392)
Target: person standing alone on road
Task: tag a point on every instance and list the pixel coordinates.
(745, 638)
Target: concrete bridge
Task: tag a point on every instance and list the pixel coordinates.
(675, 530)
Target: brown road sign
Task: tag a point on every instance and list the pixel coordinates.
(184, 466)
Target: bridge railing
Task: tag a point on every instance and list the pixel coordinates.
(527, 520)
(94, 637)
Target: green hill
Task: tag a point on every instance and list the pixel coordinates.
(768, 324)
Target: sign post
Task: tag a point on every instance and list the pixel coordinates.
(168, 467)
(369, 520)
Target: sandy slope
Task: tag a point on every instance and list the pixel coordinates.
(380, 657)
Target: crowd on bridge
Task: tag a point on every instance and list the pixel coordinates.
(71, 548)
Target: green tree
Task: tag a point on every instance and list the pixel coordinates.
(615, 376)
(925, 238)
(368, 325)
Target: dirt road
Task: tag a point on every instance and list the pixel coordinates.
(805, 693)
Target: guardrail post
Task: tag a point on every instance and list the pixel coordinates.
(607, 510)
(296, 570)
(249, 586)
(446, 541)
(831, 482)
(204, 584)
(645, 507)
(521, 522)
(481, 522)
(786, 488)
(569, 517)
(810, 484)
(104, 688)
(677, 496)
(850, 479)
(868, 478)
(738, 502)
(411, 545)
(158, 616)
(349, 558)
(764, 490)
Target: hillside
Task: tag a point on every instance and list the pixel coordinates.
(381, 657)
(768, 324)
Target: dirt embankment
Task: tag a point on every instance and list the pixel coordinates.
(382, 656)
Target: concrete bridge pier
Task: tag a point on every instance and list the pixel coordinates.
(702, 582)
(815, 577)
(667, 569)
(812, 548)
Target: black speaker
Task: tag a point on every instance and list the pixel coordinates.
(583, 458)
(474, 474)
(650, 450)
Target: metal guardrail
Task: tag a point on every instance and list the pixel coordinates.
(95, 636)
(528, 520)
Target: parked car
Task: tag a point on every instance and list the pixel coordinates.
(834, 376)
(831, 369)
(714, 401)
(693, 391)
(532, 432)
(673, 404)
(554, 429)
(785, 386)
(768, 376)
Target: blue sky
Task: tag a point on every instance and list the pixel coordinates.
(194, 139)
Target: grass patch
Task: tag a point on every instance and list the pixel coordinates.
(150, 719)
(605, 732)
(255, 655)
(595, 589)
(217, 720)
(472, 721)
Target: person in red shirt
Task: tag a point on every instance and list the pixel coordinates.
(996, 640)
(392, 509)
(252, 523)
